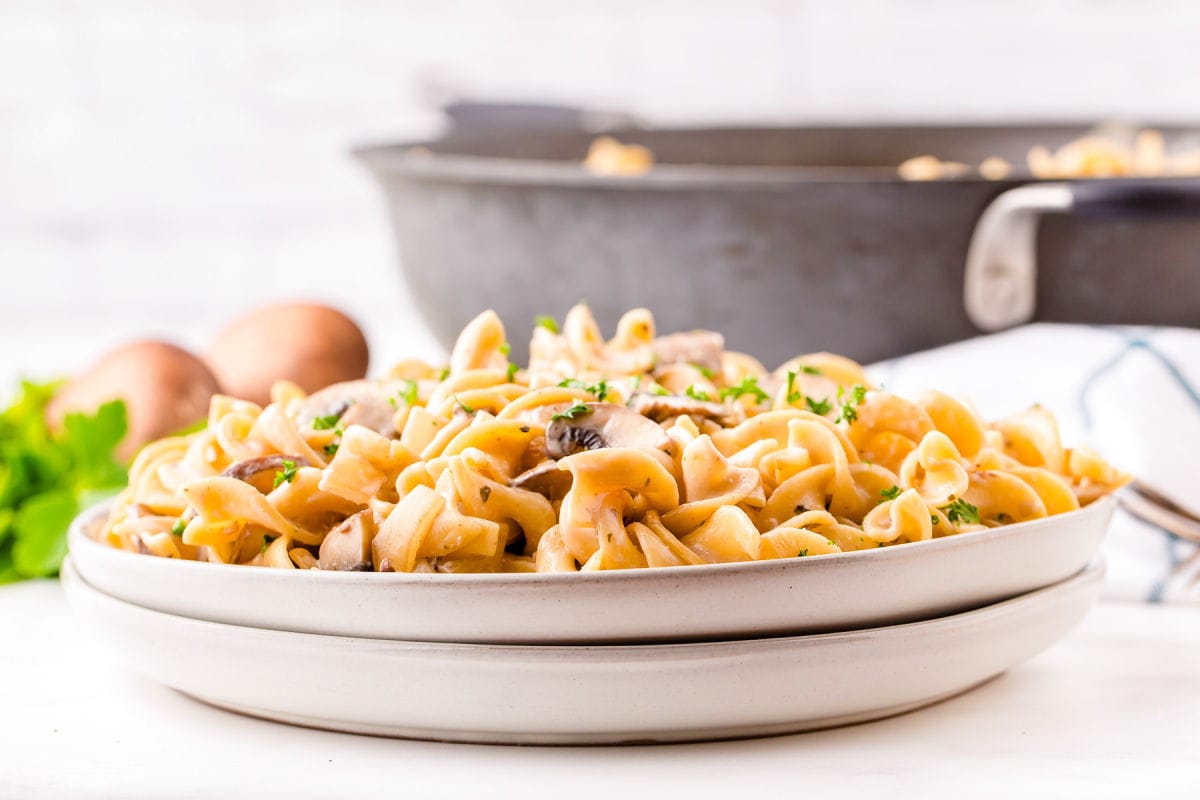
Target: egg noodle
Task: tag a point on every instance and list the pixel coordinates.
(632, 452)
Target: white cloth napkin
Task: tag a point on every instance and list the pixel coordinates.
(1131, 393)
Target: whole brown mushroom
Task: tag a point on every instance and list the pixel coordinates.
(165, 389)
(310, 345)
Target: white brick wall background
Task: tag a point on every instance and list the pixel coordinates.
(167, 161)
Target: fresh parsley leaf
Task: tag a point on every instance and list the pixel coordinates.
(935, 519)
(819, 407)
(505, 349)
(811, 370)
(637, 382)
(574, 412)
(409, 395)
(179, 527)
(599, 389)
(545, 321)
(511, 372)
(891, 493)
(697, 394)
(849, 406)
(802, 553)
(961, 511)
(331, 448)
(267, 539)
(660, 391)
(463, 405)
(47, 477)
(705, 371)
(285, 475)
(325, 423)
(793, 396)
(572, 383)
(445, 373)
(748, 385)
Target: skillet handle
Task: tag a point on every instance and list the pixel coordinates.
(1000, 282)
(1165, 197)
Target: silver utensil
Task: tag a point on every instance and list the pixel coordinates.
(1150, 505)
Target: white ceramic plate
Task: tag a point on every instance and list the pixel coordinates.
(583, 694)
(718, 601)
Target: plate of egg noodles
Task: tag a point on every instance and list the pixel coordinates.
(643, 487)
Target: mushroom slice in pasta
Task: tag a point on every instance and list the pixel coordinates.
(661, 408)
(348, 546)
(589, 426)
(361, 402)
(699, 348)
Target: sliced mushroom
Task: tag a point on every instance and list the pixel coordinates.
(353, 403)
(348, 546)
(702, 348)
(546, 479)
(249, 469)
(603, 425)
(664, 407)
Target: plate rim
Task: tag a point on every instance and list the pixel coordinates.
(1091, 574)
(78, 539)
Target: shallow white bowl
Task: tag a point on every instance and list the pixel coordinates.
(803, 595)
(583, 694)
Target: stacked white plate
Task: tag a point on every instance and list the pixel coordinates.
(643, 655)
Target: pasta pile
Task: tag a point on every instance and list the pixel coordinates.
(1097, 155)
(638, 451)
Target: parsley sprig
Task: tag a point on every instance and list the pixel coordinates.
(285, 475)
(574, 412)
(545, 321)
(849, 402)
(819, 407)
(749, 385)
(891, 493)
(599, 389)
(325, 423)
(697, 394)
(961, 511)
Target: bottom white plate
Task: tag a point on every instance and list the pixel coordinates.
(583, 694)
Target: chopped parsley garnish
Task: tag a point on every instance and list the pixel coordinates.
(331, 449)
(661, 392)
(463, 405)
(811, 370)
(505, 349)
(599, 389)
(445, 373)
(547, 322)
(408, 395)
(574, 412)
(267, 539)
(749, 385)
(802, 553)
(935, 519)
(285, 475)
(892, 493)
(832, 543)
(637, 382)
(511, 372)
(793, 395)
(849, 406)
(697, 394)
(961, 511)
(705, 371)
(819, 407)
(179, 526)
(326, 422)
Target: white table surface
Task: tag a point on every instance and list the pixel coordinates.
(1112, 711)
